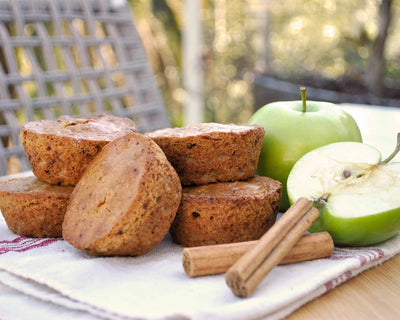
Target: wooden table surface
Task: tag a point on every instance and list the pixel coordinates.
(372, 295)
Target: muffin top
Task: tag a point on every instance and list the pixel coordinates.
(31, 184)
(201, 129)
(254, 187)
(101, 127)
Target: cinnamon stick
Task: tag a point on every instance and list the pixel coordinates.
(216, 259)
(246, 274)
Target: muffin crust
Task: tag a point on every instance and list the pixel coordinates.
(33, 208)
(126, 200)
(211, 152)
(59, 151)
(226, 212)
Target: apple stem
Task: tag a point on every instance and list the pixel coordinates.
(395, 152)
(321, 201)
(303, 98)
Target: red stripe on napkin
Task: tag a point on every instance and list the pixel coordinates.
(22, 244)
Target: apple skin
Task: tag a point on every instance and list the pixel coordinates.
(291, 133)
(361, 231)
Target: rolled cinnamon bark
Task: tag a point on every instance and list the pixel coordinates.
(216, 259)
(247, 273)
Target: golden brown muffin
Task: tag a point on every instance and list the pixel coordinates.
(60, 150)
(211, 152)
(125, 201)
(226, 212)
(33, 208)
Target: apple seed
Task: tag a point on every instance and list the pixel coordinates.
(346, 173)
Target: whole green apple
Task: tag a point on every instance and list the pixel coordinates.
(293, 128)
(356, 193)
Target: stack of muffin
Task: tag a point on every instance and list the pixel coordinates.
(223, 201)
(58, 152)
(97, 183)
(108, 190)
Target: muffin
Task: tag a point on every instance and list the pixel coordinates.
(211, 152)
(126, 200)
(33, 208)
(59, 151)
(226, 212)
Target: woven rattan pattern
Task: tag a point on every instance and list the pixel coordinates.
(71, 57)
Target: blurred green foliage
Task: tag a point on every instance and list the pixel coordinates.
(330, 38)
(292, 39)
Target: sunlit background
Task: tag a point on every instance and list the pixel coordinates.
(256, 51)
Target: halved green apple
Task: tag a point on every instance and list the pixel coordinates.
(358, 195)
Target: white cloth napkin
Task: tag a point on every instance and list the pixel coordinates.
(52, 279)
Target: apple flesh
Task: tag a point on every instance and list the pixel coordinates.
(290, 133)
(357, 194)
